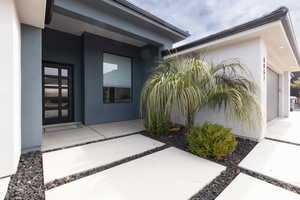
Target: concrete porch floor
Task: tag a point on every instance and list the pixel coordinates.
(74, 136)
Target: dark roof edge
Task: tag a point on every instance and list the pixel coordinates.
(152, 17)
(279, 14)
(49, 11)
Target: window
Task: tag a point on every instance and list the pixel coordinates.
(116, 79)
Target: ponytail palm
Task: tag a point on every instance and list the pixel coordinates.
(189, 84)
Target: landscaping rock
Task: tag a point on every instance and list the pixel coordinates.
(27, 183)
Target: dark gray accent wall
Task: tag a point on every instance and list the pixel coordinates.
(95, 111)
(31, 94)
(150, 58)
(66, 48)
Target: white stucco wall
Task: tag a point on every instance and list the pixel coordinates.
(251, 54)
(10, 88)
(286, 94)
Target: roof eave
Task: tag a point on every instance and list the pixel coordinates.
(287, 25)
(182, 33)
(280, 14)
(49, 11)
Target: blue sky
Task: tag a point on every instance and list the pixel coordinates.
(204, 17)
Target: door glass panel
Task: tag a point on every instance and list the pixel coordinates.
(57, 87)
(65, 103)
(51, 92)
(64, 82)
(51, 103)
(64, 92)
(51, 81)
(64, 73)
(65, 113)
(51, 71)
(51, 113)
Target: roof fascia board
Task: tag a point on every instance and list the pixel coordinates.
(151, 17)
(179, 34)
(49, 11)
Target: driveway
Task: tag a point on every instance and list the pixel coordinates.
(275, 160)
(285, 129)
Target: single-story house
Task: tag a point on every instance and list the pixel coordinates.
(86, 61)
(267, 46)
(72, 61)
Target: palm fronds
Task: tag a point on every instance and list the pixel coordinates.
(190, 84)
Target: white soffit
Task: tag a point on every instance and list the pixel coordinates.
(32, 12)
(280, 52)
(76, 27)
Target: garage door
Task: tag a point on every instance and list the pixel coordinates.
(272, 94)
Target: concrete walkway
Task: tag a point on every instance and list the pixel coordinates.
(285, 129)
(167, 174)
(245, 187)
(63, 163)
(84, 134)
(276, 157)
(171, 173)
(3, 187)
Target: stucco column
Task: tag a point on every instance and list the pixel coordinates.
(31, 61)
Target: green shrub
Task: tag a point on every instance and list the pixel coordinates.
(157, 126)
(211, 140)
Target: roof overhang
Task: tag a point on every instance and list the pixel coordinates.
(49, 11)
(32, 12)
(274, 29)
(117, 8)
(150, 18)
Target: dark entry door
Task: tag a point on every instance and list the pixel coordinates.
(57, 93)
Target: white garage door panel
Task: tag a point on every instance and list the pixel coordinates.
(272, 94)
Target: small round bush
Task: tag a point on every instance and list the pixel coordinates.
(211, 140)
(157, 126)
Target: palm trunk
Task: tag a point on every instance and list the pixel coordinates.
(190, 121)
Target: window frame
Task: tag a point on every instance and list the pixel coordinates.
(131, 78)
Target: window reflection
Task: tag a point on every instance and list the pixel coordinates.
(116, 79)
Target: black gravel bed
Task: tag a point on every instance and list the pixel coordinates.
(282, 141)
(281, 184)
(74, 177)
(27, 183)
(90, 142)
(178, 139)
(214, 188)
